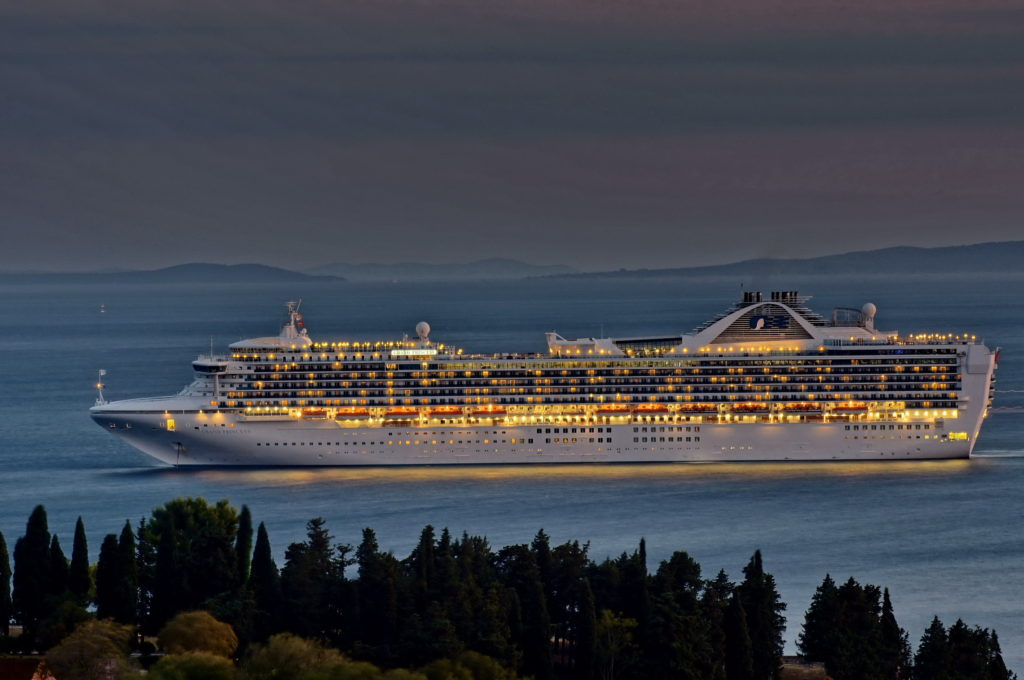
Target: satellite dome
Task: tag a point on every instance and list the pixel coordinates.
(869, 310)
(423, 330)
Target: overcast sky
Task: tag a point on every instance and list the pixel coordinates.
(596, 133)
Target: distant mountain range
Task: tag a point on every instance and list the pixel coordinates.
(981, 258)
(495, 268)
(182, 273)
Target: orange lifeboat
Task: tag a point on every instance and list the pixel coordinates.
(652, 408)
(750, 408)
(850, 407)
(401, 412)
(698, 408)
(445, 411)
(314, 413)
(352, 412)
(488, 411)
(613, 409)
(802, 408)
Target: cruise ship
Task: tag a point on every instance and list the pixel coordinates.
(768, 379)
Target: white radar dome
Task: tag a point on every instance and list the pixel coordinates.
(869, 310)
(423, 330)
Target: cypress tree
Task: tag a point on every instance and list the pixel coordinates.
(763, 607)
(243, 545)
(265, 584)
(79, 581)
(894, 647)
(128, 591)
(586, 633)
(31, 572)
(739, 660)
(108, 579)
(58, 582)
(6, 606)
(169, 584)
(541, 547)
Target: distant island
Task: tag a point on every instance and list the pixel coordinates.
(990, 258)
(980, 258)
(480, 270)
(182, 273)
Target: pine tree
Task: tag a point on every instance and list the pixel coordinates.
(265, 584)
(377, 592)
(996, 667)
(763, 608)
(243, 545)
(6, 606)
(422, 570)
(309, 581)
(31, 572)
(58, 582)
(79, 581)
(932, 659)
(518, 570)
(817, 639)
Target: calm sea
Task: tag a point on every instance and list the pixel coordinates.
(944, 537)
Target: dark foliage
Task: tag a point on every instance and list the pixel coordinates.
(6, 606)
(542, 610)
(79, 580)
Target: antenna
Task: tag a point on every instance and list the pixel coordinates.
(100, 401)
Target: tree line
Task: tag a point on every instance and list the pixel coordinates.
(545, 611)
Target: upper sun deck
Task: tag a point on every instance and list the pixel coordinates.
(782, 324)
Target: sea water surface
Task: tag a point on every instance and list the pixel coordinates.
(944, 537)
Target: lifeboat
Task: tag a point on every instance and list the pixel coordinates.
(802, 408)
(850, 407)
(314, 413)
(750, 408)
(613, 409)
(652, 408)
(352, 412)
(698, 408)
(488, 411)
(401, 412)
(445, 411)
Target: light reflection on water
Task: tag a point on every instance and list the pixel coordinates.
(504, 473)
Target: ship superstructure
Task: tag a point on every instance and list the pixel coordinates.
(768, 379)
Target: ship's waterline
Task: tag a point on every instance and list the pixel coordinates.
(766, 380)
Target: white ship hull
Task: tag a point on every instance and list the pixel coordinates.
(221, 441)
